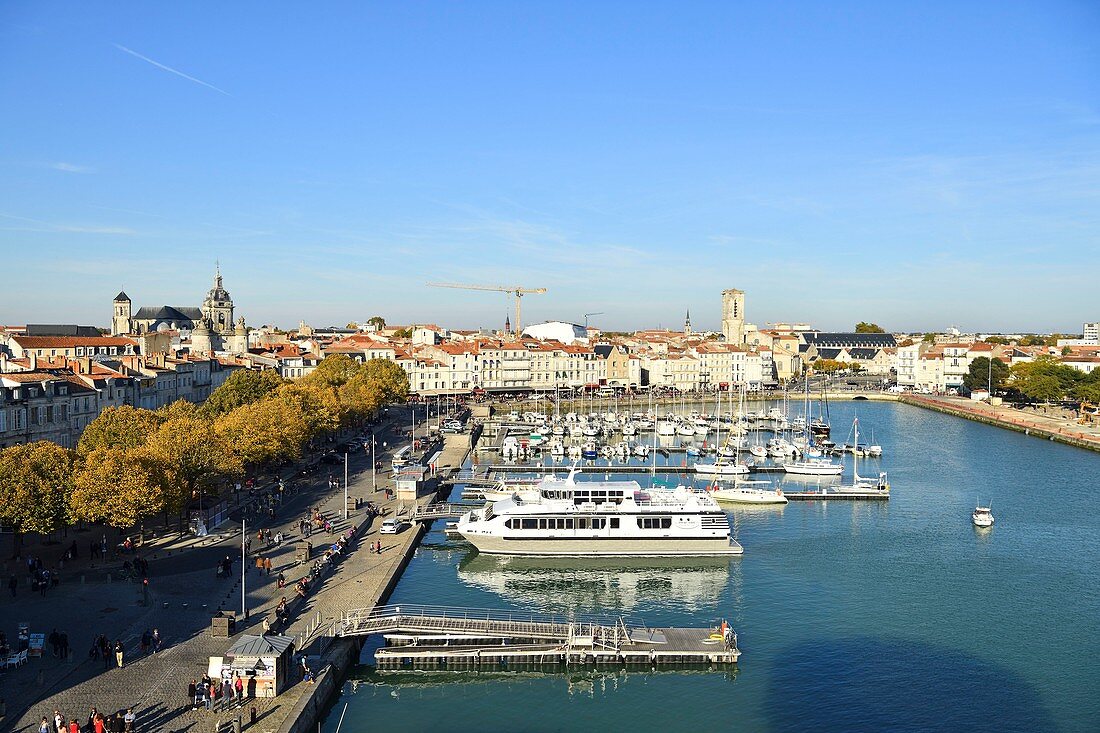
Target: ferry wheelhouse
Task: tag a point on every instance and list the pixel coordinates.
(600, 518)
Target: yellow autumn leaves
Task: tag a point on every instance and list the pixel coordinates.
(131, 463)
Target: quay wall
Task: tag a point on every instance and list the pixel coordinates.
(343, 653)
(985, 414)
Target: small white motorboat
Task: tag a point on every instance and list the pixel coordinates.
(982, 516)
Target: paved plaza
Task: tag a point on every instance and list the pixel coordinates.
(184, 592)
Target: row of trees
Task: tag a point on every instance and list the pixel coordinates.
(132, 463)
(829, 366)
(1045, 379)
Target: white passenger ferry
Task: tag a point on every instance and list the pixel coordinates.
(600, 518)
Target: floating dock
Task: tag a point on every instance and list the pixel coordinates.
(428, 637)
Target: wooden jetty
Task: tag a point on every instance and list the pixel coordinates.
(434, 637)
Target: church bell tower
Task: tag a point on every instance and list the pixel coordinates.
(218, 307)
(733, 316)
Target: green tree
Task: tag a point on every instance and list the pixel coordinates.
(928, 338)
(1088, 391)
(377, 321)
(35, 485)
(983, 372)
(865, 327)
(244, 386)
(404, 333)
(1042, 387)
(353, 324)
(115, 485)
(118, 427)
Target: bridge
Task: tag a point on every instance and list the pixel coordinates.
(442, 637)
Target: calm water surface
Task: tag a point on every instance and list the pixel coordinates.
(851, 616)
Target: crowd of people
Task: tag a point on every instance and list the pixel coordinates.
(122, 721)
(215, 694)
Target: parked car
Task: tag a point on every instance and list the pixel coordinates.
(390, 526)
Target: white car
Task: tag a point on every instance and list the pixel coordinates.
(390, 526)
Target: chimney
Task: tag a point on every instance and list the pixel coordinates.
(34, 361)
(3, 362)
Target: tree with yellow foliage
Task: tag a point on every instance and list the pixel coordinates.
(260, 432)
(316, 403)
(390, 377)
(118, 427)
(117, 486)
(35, 484)
(188, 456)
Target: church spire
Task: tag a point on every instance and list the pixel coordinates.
(687, 323)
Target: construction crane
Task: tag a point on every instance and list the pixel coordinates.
(515, 290)
(586, 315)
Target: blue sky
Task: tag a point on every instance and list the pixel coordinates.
(916, 164)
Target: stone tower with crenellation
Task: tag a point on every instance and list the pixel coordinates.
(733, 316)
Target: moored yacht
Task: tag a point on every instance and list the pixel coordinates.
(814, 467)
(748, 492)
(601, 518)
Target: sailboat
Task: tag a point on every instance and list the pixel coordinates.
(748, 492)
(722, 466)
(859, 483)
(812, 466)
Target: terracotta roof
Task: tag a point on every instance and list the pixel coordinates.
(59, 342)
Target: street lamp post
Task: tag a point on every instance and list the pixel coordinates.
(373, 465)
(345, 484)
(244, 566)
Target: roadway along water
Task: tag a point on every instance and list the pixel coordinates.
(852, 616)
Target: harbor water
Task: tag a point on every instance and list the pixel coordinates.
(851, 616)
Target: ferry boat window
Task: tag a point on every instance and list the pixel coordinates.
(654, 522)
(542, 524)
(569, 523)
(582, 523)
(614, 523)
(599, 523)
(530, 524)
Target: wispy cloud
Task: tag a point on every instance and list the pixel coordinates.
(170, 70)
(38, 225)
(70, 167)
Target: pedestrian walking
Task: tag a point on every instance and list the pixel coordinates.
(267, 565)
(55, 642)
(99, 725)
(92, 714)
(128, 720)
(146, 641)
(58, 721)
(238, 686)
(44, 727)
(156, 641)
(192, 695)
(74, 727)
(63, 642)
(266, 626)
(118, 652)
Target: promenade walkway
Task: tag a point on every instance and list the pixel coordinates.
(1041, 420)
(184, 593)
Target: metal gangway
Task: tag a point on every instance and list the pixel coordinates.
(428, 512)
(481, 623)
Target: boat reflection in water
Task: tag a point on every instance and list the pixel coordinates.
(587, 585)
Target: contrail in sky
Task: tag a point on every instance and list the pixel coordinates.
(171, 70)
